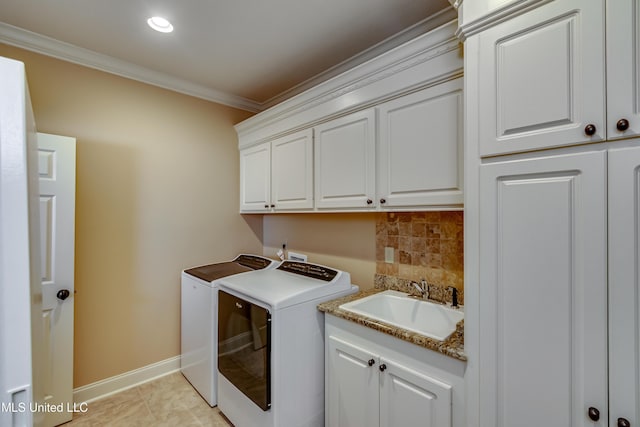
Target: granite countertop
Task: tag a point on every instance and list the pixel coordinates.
(452, 346)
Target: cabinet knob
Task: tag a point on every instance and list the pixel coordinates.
(371, 362)
(369, 201)
(383, 201)
(623, 422)
(590, 129)
(273, 206)
(266, 206)
(594, 414)
(382, 367)
(622, 125)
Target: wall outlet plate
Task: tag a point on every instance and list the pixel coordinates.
(294, 256)
(388, 255)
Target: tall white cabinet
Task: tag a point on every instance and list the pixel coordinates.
(552, 213)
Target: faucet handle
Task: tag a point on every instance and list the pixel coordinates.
(454, 296)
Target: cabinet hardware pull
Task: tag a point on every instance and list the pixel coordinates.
(590, 129)
(369, 201)
(266, 206)
(623, 422)
(383, 201)
(382, 367)
(622, 125)
(371, 362)
(594, 414)
(273, 206)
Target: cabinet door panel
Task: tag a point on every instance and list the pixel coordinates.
(623, 67)
(543, 293)
(291, 171)
(421, 148)
(255, 178)
(541, 78)
(352, 386)
(624, 285)
(345, 161)
(410, 398)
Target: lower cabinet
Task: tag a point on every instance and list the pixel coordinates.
(559, 278)
(373, 379)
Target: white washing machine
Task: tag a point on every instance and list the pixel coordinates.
(271, 344)
(199, 316)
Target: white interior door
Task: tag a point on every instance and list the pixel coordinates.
(57, 173)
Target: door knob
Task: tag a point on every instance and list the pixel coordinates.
(594, 414)
(62, 294)
(622, 125)
(623, 422)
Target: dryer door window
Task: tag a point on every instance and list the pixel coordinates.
(244, 347)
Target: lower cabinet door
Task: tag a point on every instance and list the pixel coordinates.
(624, 286)
(543, 292)
(352, 386)
(410, 398)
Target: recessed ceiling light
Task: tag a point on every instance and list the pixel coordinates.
(160, 24)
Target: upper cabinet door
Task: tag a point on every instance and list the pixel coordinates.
(420, 148)
(255, 178)
(292, 171)
(541, 79)
(623, 75)
(345, 162)
(624, 285)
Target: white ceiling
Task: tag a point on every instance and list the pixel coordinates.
(246, 53)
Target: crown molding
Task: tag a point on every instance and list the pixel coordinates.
(48, 46)
(434, 21)
(501, 14)
(428, 59)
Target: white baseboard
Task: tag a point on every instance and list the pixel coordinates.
(109, 386)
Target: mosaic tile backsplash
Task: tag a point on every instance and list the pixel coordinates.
(427, 245)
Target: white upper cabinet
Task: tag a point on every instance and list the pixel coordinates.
(420, 148)
(345, 162)
(278, 175)
(541, 81)
(255, 178)
(623, 74)
(387, 135)
(292, 171)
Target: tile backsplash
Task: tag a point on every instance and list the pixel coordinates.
(427, 245)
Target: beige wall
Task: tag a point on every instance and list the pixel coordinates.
(157, 191)
(344, 241)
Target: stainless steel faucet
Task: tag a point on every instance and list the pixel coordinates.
(423, 288)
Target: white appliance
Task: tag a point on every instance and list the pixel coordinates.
(199, 316)
(271, 344)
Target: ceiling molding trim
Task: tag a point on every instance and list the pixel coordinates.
(495, 17)
(429, 58)
(48, 46)
(432, 22)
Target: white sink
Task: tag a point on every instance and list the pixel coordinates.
(399, 309)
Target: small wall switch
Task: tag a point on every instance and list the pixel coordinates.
(293, 256)
(388, 255)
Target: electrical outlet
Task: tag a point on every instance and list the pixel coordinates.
(388, 255)
(293, 256)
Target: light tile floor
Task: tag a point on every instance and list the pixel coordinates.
(168, 401)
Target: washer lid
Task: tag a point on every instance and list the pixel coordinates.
(241, 264)
(289, 284)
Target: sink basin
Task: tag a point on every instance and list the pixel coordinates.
(397, 308)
